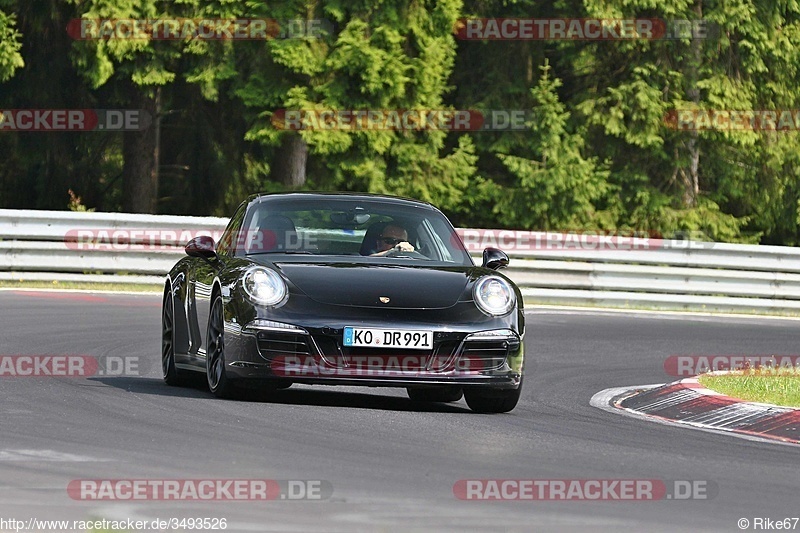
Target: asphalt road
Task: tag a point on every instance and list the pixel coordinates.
(391, 464)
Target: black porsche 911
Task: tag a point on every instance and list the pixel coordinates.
(344, 289)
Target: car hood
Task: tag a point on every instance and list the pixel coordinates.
(359, 285)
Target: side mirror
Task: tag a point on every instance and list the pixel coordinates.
(494, 258)
(202, 246)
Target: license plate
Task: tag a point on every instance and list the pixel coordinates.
(388, 338)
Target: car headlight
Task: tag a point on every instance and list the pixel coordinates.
(264, 286)
(493, 295)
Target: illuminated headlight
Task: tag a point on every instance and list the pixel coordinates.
(264, 286)
(494, 296)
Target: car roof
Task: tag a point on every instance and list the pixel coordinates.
(322, 196)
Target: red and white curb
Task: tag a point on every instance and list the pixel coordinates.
(687, 403)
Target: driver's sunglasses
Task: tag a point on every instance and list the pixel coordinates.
(391, 241)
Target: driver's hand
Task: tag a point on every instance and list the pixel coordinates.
(404, 247)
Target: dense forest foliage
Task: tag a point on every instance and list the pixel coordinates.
(597, 150)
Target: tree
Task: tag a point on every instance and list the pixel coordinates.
(10, 43)
(136, 69)
(39, 168)
(701, 179)
(555, 186)
(398, 55)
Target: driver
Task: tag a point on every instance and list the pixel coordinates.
(393, 238)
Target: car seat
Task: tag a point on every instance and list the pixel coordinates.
(370, 243)
(276, 233)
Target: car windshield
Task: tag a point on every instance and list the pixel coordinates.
(370, 229)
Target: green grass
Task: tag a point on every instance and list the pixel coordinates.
(779, 386)
(79, 285)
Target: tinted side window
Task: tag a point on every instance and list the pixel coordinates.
(227, 243)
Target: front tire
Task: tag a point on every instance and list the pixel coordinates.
(218, 382)
(172, 376)
(482, 400)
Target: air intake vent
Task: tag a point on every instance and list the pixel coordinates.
(272, 344)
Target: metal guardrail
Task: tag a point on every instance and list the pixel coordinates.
(131, 248)
(66, 242)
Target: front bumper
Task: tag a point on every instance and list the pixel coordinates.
(283, 352)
